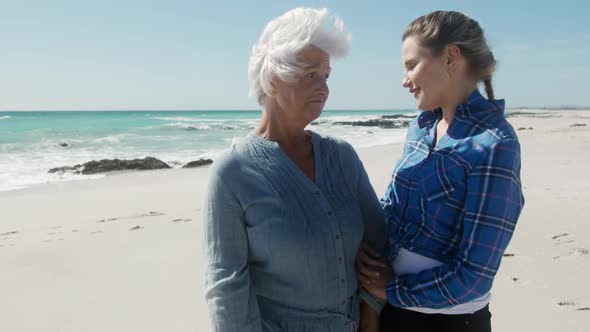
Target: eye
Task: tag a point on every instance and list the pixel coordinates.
(311, 75)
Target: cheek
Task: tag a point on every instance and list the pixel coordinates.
(419, 77)
(296, 94)
(425, 77)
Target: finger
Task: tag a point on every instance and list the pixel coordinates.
(362, 256)
(369, 261)
(366, 252)
(369, 272)
(367, 247)
(364, 281)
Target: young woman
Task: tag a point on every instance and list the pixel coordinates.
(455, 194)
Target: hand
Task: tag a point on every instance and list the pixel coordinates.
(372, 271)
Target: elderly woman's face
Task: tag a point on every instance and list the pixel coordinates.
(305, 98)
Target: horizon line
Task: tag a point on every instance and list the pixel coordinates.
(564, 107)
(195, 110)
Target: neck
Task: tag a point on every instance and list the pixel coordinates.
(455, 100)
(275, 126)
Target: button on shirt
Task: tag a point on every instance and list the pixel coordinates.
(456, 202)
(279, 247)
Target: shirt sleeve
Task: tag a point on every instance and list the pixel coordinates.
(373, 218)
(493, 204)
(230, 297)
(375, 227)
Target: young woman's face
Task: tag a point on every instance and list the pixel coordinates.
(425, 75)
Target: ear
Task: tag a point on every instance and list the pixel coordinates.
(453, 58)
(273, 86)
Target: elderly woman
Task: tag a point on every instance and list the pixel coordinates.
(287, 208)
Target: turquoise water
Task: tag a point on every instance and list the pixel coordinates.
(33, 142)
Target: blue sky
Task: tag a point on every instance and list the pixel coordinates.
(175, 54)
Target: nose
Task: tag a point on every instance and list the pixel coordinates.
(406, 82)
(323, 89)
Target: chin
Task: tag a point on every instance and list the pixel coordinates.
(316, 111)
(423, 106)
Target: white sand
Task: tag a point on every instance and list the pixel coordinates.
(61, 269)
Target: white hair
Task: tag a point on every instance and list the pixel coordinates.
(275, 53)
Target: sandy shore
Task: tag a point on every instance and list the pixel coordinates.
(122, 253)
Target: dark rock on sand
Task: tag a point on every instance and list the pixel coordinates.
(197, 163)
(381, 123)
(74, 169)
(393, 121)
(398, 116)
(109, 165)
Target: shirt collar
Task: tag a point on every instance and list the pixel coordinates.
(476, 103)
(473, 104)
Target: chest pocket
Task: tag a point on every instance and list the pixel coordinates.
(448, 179)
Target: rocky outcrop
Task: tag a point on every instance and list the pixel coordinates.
(197, 163)
(109, 165)
(381, 123)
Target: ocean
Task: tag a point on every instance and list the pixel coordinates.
(31, 143)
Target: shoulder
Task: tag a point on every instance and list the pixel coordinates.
(495, 134)
(495, 124)
(233, 161)
(495, 139)
(334, 146)
(486, 117)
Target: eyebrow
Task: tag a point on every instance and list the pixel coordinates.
(409, 61)
(315, 66)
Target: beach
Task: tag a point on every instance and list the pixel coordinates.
(123, 252)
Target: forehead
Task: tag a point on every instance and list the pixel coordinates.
(313, 56)
(411, 48)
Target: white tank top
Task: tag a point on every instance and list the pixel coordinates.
(408, 262)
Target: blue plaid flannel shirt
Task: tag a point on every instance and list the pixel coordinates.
(456, 202)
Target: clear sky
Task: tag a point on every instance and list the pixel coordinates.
(180, 54)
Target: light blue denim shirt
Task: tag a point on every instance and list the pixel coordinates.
(279, 247)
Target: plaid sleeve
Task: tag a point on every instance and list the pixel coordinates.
(492, 206)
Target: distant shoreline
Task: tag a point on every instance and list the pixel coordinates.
(188, 111)
(524, 108)
(549, 108)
